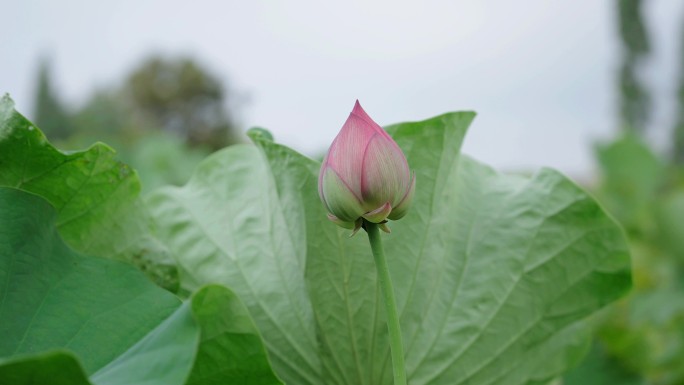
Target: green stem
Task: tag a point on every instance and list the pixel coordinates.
(396, 346)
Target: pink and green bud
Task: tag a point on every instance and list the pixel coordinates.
(365, 175)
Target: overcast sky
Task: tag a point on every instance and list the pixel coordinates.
(540, 73)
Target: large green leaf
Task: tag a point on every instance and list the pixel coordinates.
(96, 196)
(228, 226)
(123, 329)
(492, 272)
(53, 368)
(231, 350)
(53, 297)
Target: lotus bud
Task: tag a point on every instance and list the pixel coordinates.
(365, 175)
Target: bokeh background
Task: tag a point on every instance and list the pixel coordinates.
(542, 75)
(592, 88)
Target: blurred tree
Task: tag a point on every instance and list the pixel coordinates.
(678, 131)
(179, 96)
(49, 114)
(635, 102)
(104, 117)
(163, 118)
(159, 157)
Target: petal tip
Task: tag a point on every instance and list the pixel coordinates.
(378, 215)
(357, 226)
(341, 223)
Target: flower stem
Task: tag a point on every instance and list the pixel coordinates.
(396, 346)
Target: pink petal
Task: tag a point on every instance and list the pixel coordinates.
(346, 152)
(385, 175)
(338, 198)
(402, 207)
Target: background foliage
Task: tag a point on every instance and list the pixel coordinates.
(641, 339)
(165, 116)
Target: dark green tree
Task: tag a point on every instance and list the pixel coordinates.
(180, 96)
(678, 130)
(49, 114)
(635, 103)
(104, 117)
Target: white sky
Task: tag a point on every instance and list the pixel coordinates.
(539, 73)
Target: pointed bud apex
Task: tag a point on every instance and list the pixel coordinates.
(365, 174)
